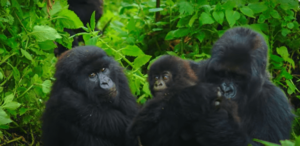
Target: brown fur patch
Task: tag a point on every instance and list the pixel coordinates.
(257, 43)
(190, 73)
(63, 54)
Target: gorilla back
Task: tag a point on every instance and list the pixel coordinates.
(90, 102)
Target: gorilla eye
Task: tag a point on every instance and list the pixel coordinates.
(156, 78)
(165, 77)
(92, 75)
(103, 69)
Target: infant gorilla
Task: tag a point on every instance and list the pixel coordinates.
(183, 111)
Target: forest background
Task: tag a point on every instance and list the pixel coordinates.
(138, 33)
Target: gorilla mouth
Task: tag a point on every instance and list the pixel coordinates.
(113, 92)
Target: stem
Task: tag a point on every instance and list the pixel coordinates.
(13, 140)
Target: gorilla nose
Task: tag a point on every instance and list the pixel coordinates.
(226, 88)
(158, 84)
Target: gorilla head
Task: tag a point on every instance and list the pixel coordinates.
(238, 60)
(169, 74)
(96, 73)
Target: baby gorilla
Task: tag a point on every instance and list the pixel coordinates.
(90, 102)
(163, 74)
(179, 105)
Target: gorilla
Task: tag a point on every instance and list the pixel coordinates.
(179, 102)
(83, 9)
(238, 65)
(90, 102)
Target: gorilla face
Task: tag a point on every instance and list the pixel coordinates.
(232, 82)
(170, 74)
(100, 78)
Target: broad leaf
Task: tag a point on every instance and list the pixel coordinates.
(11, 105)
(43, 33)
(68, 19)
(232, 17)
(141, 60)
(247, 11)
(46, 86)
(4, 118)
(205, 19)
(26, 54)
(219, 16)
(258, 7)
(132, 50)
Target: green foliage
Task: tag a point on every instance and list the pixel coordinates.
(185, 28)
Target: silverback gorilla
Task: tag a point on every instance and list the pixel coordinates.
(90, 102)
(83, 9)
(238, 65)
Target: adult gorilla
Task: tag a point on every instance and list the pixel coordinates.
(90, 102)
(238, 64)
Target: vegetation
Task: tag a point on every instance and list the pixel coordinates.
(138, 33)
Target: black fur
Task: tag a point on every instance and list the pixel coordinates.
(79, 112)
(238, 64)
(185, 111)
(84, 10)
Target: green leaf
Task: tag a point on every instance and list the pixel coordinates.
(291, 87)
(290, 25)
(92, 41)
(46, 86)
(265, 142)
(56, 7)
(1, 76)
(285, 32)
(192, 20)
(262, 18)
(43, 33)
(16, 74)
(258, 7)
(275, 14)
(283, 52)
(1, 51)
(181, 32)
(205, 19)
(68, 19)
(22, 111)
(155, 10)
(8, 98)
(141, 60)
(47, 45)
(146, 88)
(4, 118)
(200, 36)
(132, 50)
(232, 16)
(171, 53)
(26, 54)
(185, 8)
(297, 139)
(1, 89)
(247, 11)
(93, 21)
(219, 16)
(11, 105)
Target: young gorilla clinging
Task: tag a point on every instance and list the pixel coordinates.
(238, 64)
(90, 102)
(179, 101)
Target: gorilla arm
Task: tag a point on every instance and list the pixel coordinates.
(269, 116)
